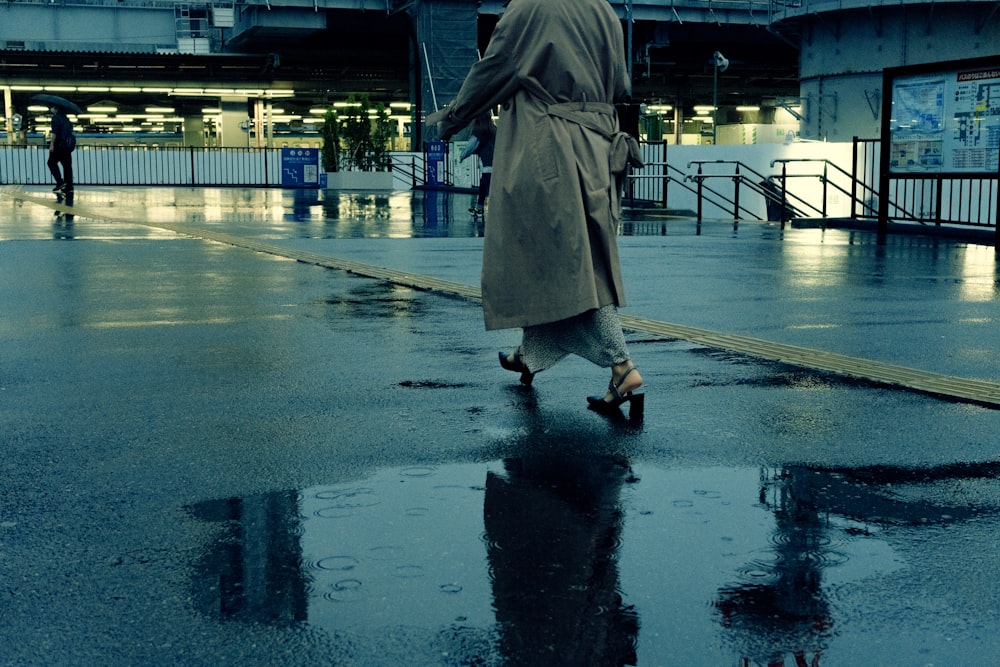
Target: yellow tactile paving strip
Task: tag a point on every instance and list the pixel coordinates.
(977, 391)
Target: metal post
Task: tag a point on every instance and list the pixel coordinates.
(720, 64)
(715, 100)
(825, 166)
(736, 194)
(996, 215)
(700, 180)
(430, 79)
(666, 175)
(937, 204)
(784, 194)
(854, 180)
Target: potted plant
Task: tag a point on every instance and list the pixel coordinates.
(356, 147)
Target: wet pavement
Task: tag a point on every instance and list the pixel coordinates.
(214, 456)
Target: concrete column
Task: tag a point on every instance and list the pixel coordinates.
(8, 112)
(194, 131)
(234, 113)
(843, 53)
(260, 130)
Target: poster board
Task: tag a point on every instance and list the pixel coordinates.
(436, 171)
(300, 167)
(943, 118)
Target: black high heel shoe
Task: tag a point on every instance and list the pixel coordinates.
(637, 402)
(517, 366)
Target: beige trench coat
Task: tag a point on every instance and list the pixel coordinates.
(550, 249)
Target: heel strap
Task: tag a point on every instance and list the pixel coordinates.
(614, 388)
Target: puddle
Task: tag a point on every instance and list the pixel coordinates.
(568, 560)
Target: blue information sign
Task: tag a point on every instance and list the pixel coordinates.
(300, 167)
(436, 163)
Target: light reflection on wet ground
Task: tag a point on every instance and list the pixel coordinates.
(569, 560)
(177, 412)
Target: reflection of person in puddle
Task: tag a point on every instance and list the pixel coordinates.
(788, 614)
(553, 526)
(63, 221)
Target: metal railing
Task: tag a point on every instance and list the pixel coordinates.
(757, 184)
(411, 168)
(147, 165)
(926, 199)
(653, 183)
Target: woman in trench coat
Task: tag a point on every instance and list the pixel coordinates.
(550, 256)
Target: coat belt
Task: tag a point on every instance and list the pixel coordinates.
(624, 148)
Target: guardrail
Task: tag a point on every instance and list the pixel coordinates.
(165, 165)
(759, 184)
(807, 190)
(147, 165)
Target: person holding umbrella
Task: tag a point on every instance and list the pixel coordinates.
(62, 141)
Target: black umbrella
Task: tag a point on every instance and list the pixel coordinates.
(55, 100)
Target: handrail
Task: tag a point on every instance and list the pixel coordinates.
(738, 179)
(934, 200)
(680, 179)
(825, 180)
(736, 162)
(410, 170)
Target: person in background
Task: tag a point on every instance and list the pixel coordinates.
(62, 141)
(550, 252)
(482, 143)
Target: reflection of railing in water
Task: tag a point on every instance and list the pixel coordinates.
(778, 605)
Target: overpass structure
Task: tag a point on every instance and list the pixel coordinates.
(254, 61)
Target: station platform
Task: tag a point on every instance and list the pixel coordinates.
(259, 427)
